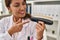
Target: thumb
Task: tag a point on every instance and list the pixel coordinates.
(26, 21)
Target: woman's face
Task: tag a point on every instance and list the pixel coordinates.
(18, 8)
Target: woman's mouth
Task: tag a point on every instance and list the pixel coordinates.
(21, 12)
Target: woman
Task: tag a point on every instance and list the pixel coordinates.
(16, 27)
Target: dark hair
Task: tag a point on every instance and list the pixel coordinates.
(27, 16)
(8, 2)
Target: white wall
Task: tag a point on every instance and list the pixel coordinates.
(48, 10)
(47, 0)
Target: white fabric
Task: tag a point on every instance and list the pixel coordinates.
(28, 30)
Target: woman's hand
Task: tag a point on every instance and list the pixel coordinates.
(17, 27)
(40, 29)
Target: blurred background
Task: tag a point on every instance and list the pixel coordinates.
(49, 9)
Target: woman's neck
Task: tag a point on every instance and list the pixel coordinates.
(15, 19)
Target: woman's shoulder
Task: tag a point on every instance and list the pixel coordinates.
(5, 19)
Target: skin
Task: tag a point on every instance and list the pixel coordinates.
(18, 10)
(40, 26)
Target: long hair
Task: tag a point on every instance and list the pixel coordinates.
(27, 16)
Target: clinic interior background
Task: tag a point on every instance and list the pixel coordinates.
(49, 9)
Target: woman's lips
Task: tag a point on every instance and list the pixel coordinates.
(21, 12)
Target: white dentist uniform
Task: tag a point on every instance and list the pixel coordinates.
(27, 30)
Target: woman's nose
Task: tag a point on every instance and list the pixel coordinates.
(21, 7)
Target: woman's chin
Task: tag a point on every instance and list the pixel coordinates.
(22, 16)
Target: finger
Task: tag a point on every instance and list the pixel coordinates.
(39, 27)
(23, 23)
(19, 21)
(14, 19)
(42, 24)
(39, 31)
